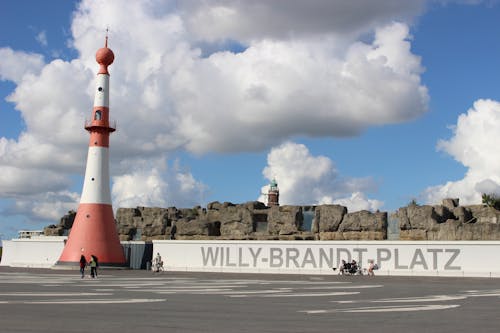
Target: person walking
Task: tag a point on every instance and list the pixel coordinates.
(83, 263)
(371, 267)
(93, 266)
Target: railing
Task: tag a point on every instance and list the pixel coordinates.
(99, 123)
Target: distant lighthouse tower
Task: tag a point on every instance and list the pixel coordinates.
(273, 194)
(94, 231)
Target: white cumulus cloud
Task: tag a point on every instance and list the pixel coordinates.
(155, 184)
(304, 179)
(474, 144)
(16, 64)
(279, 19)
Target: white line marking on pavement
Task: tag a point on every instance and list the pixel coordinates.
(182, 287)
(254, 292)
(313, 294)
(135, 285)
(429, 307)
(46, 294)
(98, 301)
(190, 290)
(482, 291)
(346, 287)
(435, 298)
(430, 298)
(484, 295)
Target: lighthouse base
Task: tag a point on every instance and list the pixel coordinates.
(94, 234)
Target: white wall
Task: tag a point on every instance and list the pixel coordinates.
(429, 258)
(34, 252)
(453, 258)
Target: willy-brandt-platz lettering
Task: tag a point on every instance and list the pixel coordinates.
(328, 257)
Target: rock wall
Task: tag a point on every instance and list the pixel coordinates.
(61, 229)
(448, 221)
(255, 221)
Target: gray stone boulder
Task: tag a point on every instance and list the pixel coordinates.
(65, 224)
(284, 220)
(362, 225)
(327, 218)
(422, 217)
(463, 215)
(419, 222)
(364, 221)
(236, 222)
(219, 206)
(67, 220)
(451, 203)
(149, 222)
(484, 214)
(191, 227)
(254, 205)
(53, 230)
(128, 220)
(455, 230)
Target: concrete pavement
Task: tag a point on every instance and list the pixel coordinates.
(39, 300)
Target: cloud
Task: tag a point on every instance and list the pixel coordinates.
(16, 64)
(157, 186)
(234, 102)
(31, 211)
(49, 206)
(323, 85)
(305, 179)
(41, 38)
(248, 21)
(474, 141)
(243, 84)
(358, 201)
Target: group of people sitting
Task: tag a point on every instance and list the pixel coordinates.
(348, 267)
(352, 268)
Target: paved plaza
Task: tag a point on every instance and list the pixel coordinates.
(38, 300)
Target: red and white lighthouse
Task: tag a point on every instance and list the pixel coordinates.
(94, 231)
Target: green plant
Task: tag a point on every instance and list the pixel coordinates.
(491, 200)
(413, 202)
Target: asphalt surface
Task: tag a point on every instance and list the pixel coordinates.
(38, 300)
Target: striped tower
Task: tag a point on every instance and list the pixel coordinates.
(94, 231)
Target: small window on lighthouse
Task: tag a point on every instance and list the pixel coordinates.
(97, 115)
(100, 88)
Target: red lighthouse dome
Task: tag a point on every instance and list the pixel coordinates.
(104, 57)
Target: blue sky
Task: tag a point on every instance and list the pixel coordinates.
(399, 102)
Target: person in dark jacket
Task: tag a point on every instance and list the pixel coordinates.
(93, 266)
(83, 263)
